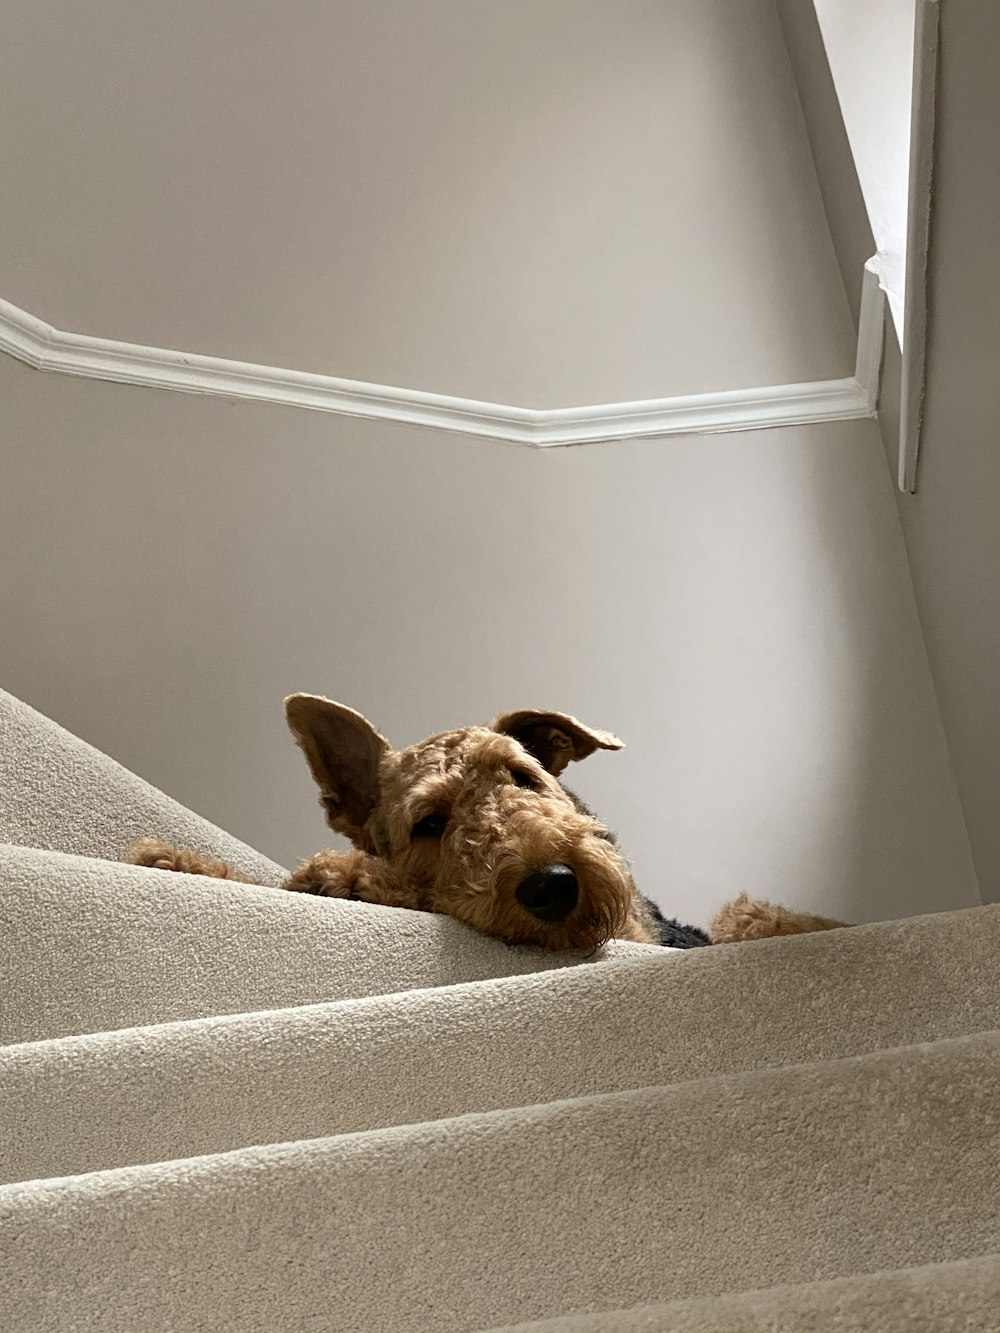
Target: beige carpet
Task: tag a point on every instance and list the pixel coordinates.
(938, 1298)
(225, 1107)
(59, 793)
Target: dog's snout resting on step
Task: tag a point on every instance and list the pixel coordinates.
(475, 823)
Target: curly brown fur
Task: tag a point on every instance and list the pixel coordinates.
(748, 918)
(357, 875)
(457, 824)
(162, 856)
(473, 823)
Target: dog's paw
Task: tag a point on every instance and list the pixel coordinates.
(151, 852)
(157, 855)
(353, 875)
(747, 918)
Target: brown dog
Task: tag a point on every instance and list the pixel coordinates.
(475, 823)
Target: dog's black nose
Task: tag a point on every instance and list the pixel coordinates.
(550, 893)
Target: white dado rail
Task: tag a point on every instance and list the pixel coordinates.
(43, 347)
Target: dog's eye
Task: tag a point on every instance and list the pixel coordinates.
(431, 826)
(522, 778)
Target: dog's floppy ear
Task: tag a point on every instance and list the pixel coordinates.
(344, 752)
(554, 739)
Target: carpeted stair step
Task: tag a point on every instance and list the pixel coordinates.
(103, 1100)
(780, 1176)
(59, 793)
(934, 1298)
(227, 1107)
(89, 946)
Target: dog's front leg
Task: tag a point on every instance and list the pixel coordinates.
(157, 855)
(356, 875)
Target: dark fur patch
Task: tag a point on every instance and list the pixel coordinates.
(672, 933)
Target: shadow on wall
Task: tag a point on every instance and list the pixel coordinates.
(888, 756)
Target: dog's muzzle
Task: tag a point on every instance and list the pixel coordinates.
(549, 894)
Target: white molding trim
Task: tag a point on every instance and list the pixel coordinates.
(43, 347)
(871, 334)
(922, 120)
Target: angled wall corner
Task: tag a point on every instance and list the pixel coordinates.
(867, 79)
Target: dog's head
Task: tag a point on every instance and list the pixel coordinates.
(476, 820)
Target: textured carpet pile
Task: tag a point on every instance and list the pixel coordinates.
(225, 1107)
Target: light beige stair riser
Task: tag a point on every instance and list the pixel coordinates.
(89, 946)
(58, 792)
(786, 1176)
(962, 1297)
(148, 1094)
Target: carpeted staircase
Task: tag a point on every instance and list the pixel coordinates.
(230, 1108)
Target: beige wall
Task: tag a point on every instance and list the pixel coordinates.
(544, 204)
(738, 608)
(622, 205)
(952, 525)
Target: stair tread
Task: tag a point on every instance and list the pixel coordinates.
(90, 946)
(933, 1298)
(774, 1176)
(220, 1082)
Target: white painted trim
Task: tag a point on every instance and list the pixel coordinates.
(871, 334)
(922, 119)
(43, 347)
